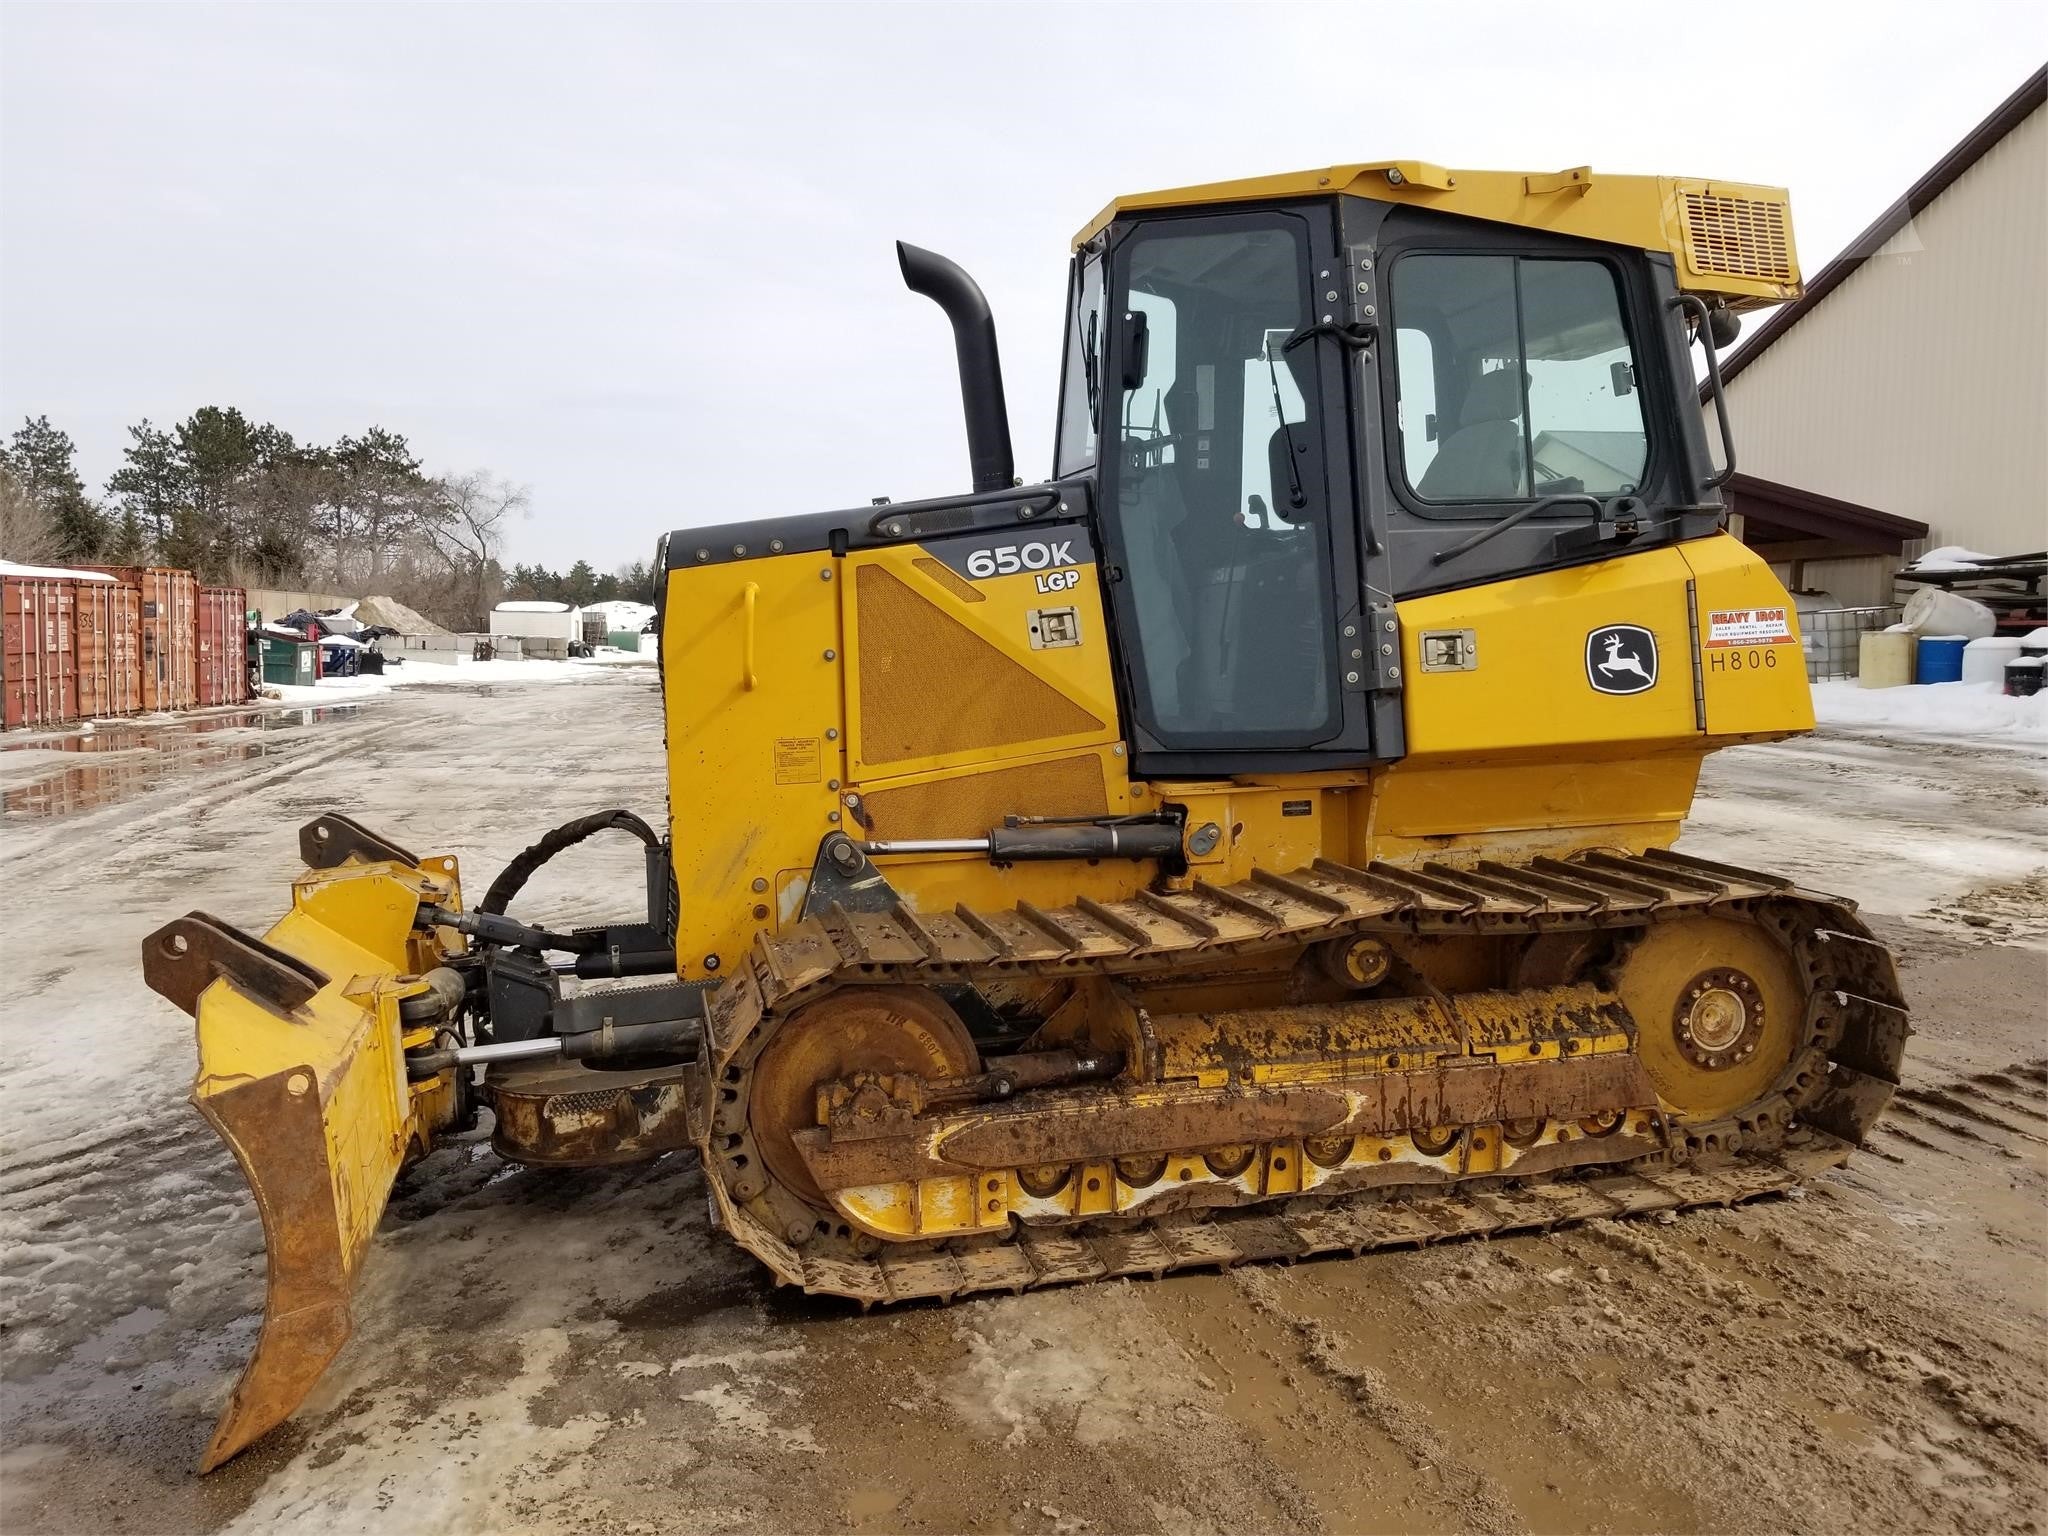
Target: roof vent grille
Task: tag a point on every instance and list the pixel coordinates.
(1737, 237)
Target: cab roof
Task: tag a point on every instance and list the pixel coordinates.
(1729, 239)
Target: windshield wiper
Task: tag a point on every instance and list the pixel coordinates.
(1615, 508)
(1090, 368)
(1297, 498)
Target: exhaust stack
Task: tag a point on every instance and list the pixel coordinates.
(981, 370)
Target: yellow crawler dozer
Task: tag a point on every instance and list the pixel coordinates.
(1253, 840)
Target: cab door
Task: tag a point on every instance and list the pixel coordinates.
(1229, 510)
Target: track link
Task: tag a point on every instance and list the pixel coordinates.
(1841, 1073)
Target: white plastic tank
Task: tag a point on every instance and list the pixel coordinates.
(1984, 660)
(1931, 611)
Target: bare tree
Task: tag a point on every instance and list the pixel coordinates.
(465, 529)
(28, 535)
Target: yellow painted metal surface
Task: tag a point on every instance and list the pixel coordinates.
(355, 925)
(880, 675)
(1529, 697)
(1517, 810)
(1728, 238)
(316, 1106)
(937, 680)
(1752, 668)
(755, 772)
(1517, 757)
(1523, 755)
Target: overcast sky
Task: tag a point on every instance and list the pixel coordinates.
(638, 258)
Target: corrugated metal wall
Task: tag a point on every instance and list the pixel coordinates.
(1920, 386)
(1864, 582)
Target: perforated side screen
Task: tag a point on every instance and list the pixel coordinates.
(930, 686)
(1736, 237)
(973, 803)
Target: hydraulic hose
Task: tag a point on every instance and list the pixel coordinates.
(514, 876)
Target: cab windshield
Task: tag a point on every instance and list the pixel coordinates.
(1516, 379)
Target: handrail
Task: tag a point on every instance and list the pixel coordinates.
(1698, 306)
(748, 594)
(1038, 498)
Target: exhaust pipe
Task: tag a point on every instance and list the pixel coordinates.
(981, 371)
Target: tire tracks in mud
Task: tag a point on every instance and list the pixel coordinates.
(1477, 1501)
(1965, 1109)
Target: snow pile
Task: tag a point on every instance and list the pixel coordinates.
(1933, 709)
(622, 613)
(1951, 557)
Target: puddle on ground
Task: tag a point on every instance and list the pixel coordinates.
(119, 759)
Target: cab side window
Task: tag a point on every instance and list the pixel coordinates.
(1081, 378)
(1516, 378)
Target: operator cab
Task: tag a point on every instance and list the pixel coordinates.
(1296, 413)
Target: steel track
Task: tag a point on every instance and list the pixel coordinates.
(1841, 1073)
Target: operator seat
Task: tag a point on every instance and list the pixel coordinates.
(1483, 460)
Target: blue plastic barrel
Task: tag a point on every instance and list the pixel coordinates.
(1939, 659)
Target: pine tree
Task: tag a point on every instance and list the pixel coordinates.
(43, 462)
(153, 485)
(217, 448)
(129, 545)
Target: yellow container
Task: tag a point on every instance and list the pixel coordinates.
(1884, 658)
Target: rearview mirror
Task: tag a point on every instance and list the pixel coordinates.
(1135, 348)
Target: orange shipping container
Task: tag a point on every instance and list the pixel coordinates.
(170, 633)
(38, 659)
(223, 645)
(109, 630)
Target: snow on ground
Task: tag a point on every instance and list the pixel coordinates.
(412, 674)
(1933, 709)
(1935, 790)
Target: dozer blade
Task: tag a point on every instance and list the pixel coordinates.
(302, 1072)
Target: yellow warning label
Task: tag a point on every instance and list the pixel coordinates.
(798, 760)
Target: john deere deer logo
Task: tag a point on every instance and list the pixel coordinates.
(1621, 658)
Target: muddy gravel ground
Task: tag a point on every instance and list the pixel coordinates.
(549, 1351)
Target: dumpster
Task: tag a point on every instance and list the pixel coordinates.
(277, 660)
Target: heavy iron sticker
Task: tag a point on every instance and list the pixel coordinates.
(1749, 626)
(1621, 658)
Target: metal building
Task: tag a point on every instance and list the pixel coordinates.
(1902, 403)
